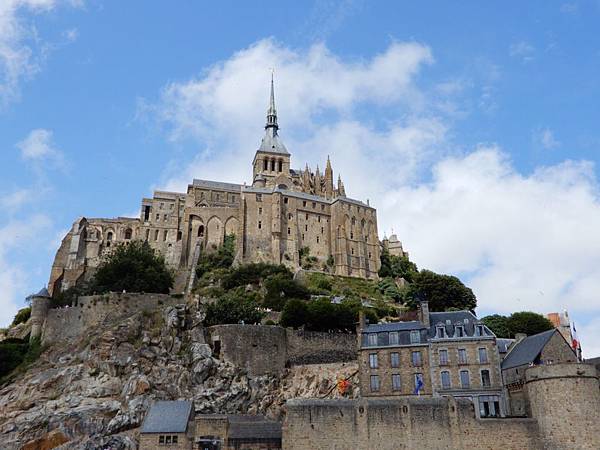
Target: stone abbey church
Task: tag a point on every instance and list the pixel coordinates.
(283, 211)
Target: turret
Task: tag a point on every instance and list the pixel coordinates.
(328, 179)
(40, 303)
(341, 190)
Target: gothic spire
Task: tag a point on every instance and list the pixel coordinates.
(272, 112)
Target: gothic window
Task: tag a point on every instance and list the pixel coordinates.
(373, 361)
(396, 382)
(156, 235)
(280, 167)
(128, 233)
(201, 231)
(147, 234)
(265, 164)
(109, 238)
(165, 233)
(272, 165)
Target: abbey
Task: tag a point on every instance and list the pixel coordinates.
(289, 216)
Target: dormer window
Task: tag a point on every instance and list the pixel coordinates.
(440, 331)
(415, 337)
(372, 339)
(459, 331)
(394, 338)
(479, 331)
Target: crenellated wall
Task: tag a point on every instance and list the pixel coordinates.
(71, 322)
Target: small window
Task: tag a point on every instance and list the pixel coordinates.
(485, 378)
(165, 233)
(395, 359)
(317, 239)
(302, 236)
(158, 217)
(353, 251)
(459, 331)
(319, 219)
(285, 200)
(373, 361)
(280, 166)
(128, 233)
(259, 210)
(162, 205)
(394, 338)
(165, 217)
(372, 339)
(259, 224)
(416, 359)
(290, 216)
(369, 255)
(464, 379)
(462, 356)
(289, 230)
(272, 165)
(445, 376)
(168, 440)
(396, 382)
(374, 383)
(171, 206)
(480, 330)
(415, 337)
(305, 227)
(161, 439)
(483, 356)
(304, 204)
(156, 235)
(322, 207)
(265, 164)
(179, 235)
(306, 217)
(259, 197)
(351, 235)
(147, 234)
(322, 230)
(443, 354)
(201, 231)
(314, 205)
(440, 332)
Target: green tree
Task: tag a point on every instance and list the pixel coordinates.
(133, 268)
(528, 322)
(221, 259)
(22, 316)
(441, 291)
(388, 287)
(251, 274)
(397, 266)
(498, 324)
(235, 307)
(280, 288)
(295, 314)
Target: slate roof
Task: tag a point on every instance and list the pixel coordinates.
(527, 350)
(167, 417)
(253, 430)
(451, 318)
(272, 144)
(217, 185)
(42, 293)
(503, 344)
(394, 326)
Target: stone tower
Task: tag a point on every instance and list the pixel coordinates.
(40, 303)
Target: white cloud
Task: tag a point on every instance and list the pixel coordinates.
(20, 50)
(523, 50)
(523, 242)
(545, 138)
(38, 147)
(16, 199)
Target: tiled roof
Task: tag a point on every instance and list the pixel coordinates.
(167, 417)
(527, 350)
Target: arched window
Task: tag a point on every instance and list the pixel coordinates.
(272, 165)
(201, 231)
(280, 167)
(265, 164)
(128, 233)
(109, 238)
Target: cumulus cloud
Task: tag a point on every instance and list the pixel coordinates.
(20, 53)
(522, 241)
(38, 147)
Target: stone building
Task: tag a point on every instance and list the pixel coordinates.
(547, 348)
(440, 354)
(236, 432)
(168, 424)
(281, 212)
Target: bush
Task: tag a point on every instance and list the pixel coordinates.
(221, 259)
(22, 316)
(251, 274)
(441, 291)
(133, 268)
(526, 322)
(68, 296)
(280, 288)
(388, 288)
(15, 353)
(397, 266)
(295, 314)
(235, 307)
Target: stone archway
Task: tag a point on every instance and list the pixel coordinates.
(214, 233)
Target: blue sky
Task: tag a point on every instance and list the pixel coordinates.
(472, 127)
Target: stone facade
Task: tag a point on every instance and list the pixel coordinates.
(236, 432)
(281, 212)
(266, 349)
(563, 417)
(161, 441)
(441, 354)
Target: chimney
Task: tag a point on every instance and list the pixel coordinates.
(424, 313)
(362, 321)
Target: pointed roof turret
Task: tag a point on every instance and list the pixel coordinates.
(271, 142)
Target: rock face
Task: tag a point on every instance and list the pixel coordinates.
(94, 393)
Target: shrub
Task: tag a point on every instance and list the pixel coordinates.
(397, 266)
(22, 316)
(295, 314)
(280, 288)
(15, 353)
(235, 307)
(221, 259)
(133, 268)
(251, 274)
(269, 322)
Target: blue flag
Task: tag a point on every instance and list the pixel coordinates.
(418, 385)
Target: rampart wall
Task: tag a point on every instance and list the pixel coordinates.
(88, 311)
(265, 349)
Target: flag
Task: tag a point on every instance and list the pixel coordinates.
(575, 342)
(418, 384)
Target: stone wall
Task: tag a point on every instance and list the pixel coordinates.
(89, 311)
(401, 423)
(265, 349)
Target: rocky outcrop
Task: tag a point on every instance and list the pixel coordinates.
(94, 393)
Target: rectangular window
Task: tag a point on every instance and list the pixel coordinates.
(483, 356)
(167, 439)
(165, 233)
(480, 330)
(319, 219)
(394, 338)
(485, 378)
(306, 216)
(374, 383)
(260, 210)
(321, 230)
(156, 235)
(305, 227)
(285, 200)
(322, 207)
(445, 375)
(464, 379)
(259, 224)
(317, 239)
(395, 359)
(259, 197)
(396, 382)
(165, 217)
(416, 359)
(161, 439)
(489, 406)
(314, 205)
(373, 362)
(158, 217)
(372, 339)
(460, 331)
(171, 206)
(443, 354)
(440, 332)
(175, 439)
(304, 203)
(462, 356)
(289, 231)
(415, 337)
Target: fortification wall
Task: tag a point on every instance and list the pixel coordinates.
(401, 424)
(565, 400)
(70, 322)
(265, 349)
